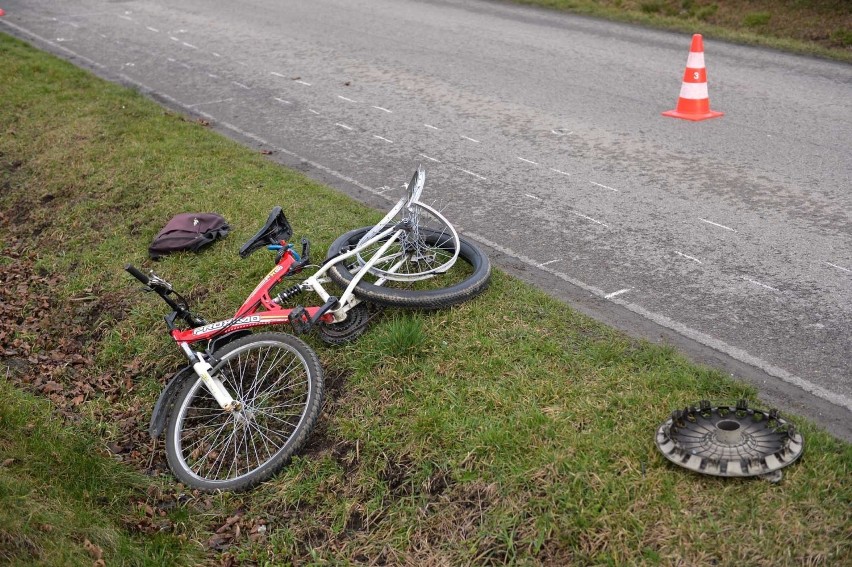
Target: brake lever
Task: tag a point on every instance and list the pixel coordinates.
(155, 281)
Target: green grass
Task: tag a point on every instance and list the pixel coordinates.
(815, 27)
(510, 429)
(63, 501)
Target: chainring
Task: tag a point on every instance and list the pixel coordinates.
(347, 330)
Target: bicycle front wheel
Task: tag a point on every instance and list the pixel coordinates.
(466, 279)
(428, 247)
(277, 380)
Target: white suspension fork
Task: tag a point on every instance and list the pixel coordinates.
(213, 384)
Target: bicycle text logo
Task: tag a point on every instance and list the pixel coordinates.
(227, 323)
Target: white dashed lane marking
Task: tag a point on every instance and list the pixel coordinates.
(582, 216)
(604, 186)
(430, 158)
(847, 270)
(471, 173)
(527, 160)
(688, 257)
(382, 138)
(432, 127)
(382, 109)
(755, 282)
(471, 139)
(344, 126)
(717, 224)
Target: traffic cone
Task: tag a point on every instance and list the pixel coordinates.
(2, 13)
(693, 102)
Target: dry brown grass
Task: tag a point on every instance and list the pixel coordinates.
(823, 27)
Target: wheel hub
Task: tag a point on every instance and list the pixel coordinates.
(243, 418)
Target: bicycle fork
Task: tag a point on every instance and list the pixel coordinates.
(212, 383)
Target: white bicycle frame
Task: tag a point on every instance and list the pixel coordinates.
(347, 299)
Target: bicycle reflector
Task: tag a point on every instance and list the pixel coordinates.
(730, 441)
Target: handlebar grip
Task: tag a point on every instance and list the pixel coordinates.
(137, 274)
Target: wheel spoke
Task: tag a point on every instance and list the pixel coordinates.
(261, 379)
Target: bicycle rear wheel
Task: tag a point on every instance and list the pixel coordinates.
(464, 280)
(278, 381)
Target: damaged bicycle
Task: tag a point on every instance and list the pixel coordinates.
(247, 400)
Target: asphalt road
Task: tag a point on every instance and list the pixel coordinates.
(542, 138)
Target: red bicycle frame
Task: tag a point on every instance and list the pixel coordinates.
(249, 314)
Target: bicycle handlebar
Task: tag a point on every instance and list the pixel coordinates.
(136, 273)
(164, 289)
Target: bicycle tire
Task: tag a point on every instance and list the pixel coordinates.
(211, 449)
(436, 298)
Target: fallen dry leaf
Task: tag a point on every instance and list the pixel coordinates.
(95, 551)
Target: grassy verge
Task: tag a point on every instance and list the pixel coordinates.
(508, 430)
(65, 503)
(815, 27)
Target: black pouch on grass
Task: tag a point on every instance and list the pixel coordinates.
(188, 231)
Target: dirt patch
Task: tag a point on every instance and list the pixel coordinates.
(47, 345)
(321, 441)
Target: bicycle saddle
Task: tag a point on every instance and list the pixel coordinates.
(274, 231)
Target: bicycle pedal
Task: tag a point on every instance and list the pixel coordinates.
(299, 320)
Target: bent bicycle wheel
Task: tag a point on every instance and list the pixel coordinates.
(429, 246)
(278, 382)
(467, 278)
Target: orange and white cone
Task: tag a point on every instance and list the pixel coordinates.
(694, 102)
